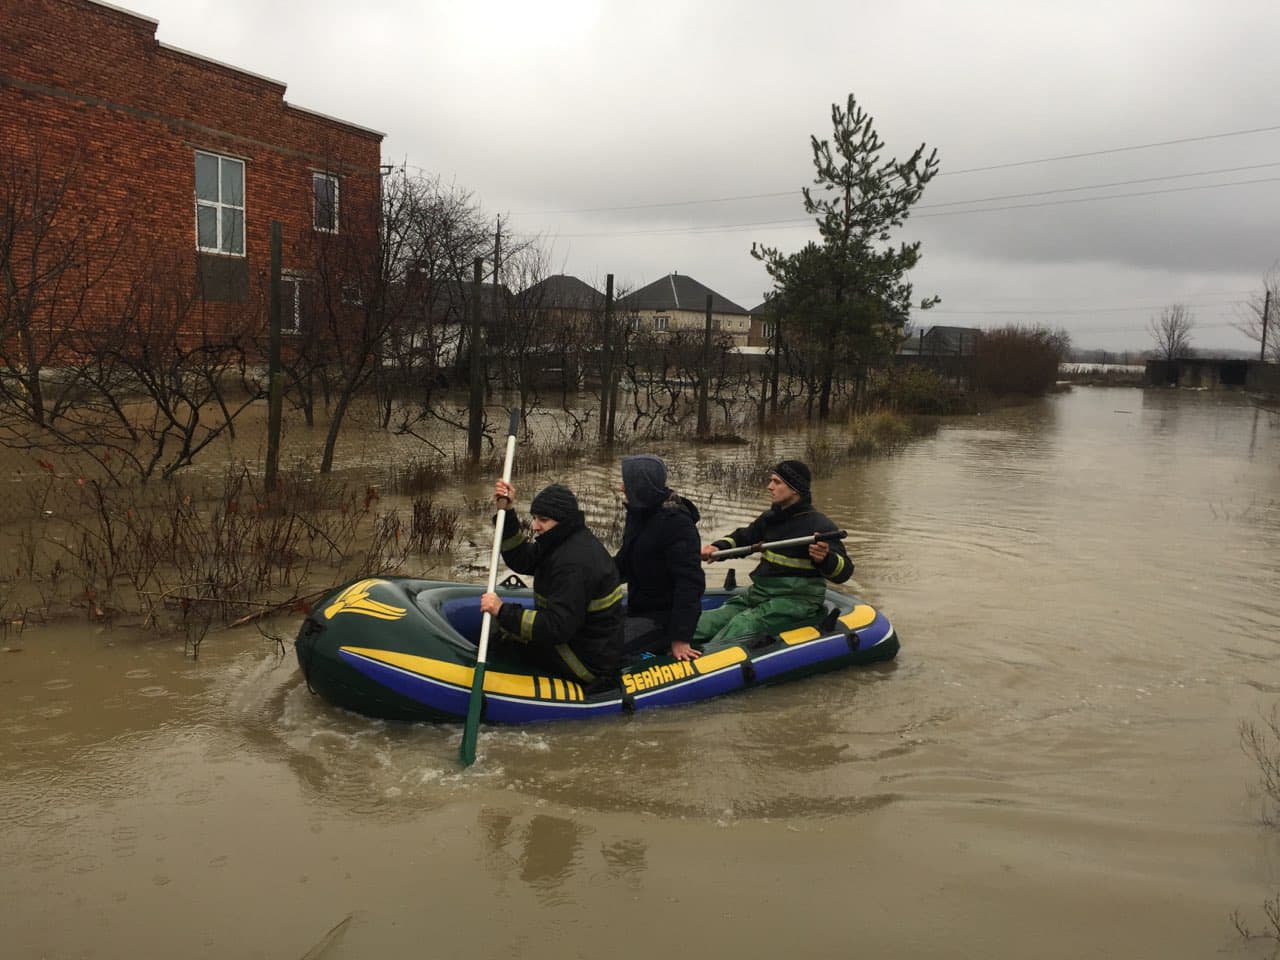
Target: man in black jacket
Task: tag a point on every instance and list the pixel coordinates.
(789, 586)
(575, 627)
(659, 562)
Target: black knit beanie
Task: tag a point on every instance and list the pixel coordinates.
(644, 480)
(555, 502)
(795, 475)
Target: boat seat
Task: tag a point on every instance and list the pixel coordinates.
(463, 614)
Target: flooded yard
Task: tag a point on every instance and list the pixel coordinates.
(1086, 595)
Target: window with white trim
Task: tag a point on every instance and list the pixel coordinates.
(661, 323)
(219, 204)
(324, 193)
(766, 329)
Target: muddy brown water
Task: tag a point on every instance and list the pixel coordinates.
(1086, 592)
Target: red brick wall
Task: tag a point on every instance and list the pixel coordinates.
(80, 80)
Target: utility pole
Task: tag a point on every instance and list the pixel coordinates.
(704, 415)
(1266, 309)
(777, 360)
(497, 323)
(606, 362)
(275, 372)
(475, 424)
(615, 365)
(497, 257)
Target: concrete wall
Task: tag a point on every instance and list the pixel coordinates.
(1215, 373)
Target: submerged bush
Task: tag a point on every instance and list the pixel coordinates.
(884, 432)
(1018, 361)
(1260, 740)
(914, 389)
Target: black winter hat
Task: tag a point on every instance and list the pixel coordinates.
(795, 475)
(555, 502)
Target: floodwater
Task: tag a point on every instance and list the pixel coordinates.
(1086, 592)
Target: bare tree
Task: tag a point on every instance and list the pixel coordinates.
(374, 305)
(1261, 312)
(103, 355)
(438, 231)
(55, 258)
(1171, 332)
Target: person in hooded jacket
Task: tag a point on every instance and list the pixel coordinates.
(575, 627)
(788, 588)
(659, 561)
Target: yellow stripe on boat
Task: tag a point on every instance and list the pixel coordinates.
(711, 662)
(859, 617)
(509, 684)
(800, 635)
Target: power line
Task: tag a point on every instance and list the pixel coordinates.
(942, 173)
(1076, 311)
(1101, 186)
(1114, 196)
(795, 222)
(1100, 153)
(1215, 293)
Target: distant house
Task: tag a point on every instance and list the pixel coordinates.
(431, 331)
(563, 293)
(679, 303)
(169, 169)
(559, 321)
(560, 306)
(941, 341)
(763, 326)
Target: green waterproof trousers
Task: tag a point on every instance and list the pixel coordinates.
(770, 605)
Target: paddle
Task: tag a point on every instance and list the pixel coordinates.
(757, 547)
(467, 752)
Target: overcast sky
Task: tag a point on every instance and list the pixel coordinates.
(644, 138)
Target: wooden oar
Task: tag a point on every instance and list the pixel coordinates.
(467, 752)
(757, 547)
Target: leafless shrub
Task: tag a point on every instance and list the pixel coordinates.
(418, 477)
(174, 553)
(1260, 741)
(1271, 911)
(433, 528)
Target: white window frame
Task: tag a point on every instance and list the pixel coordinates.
(661, 323)
(222, 209)
(317, 177)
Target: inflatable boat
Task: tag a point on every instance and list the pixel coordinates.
(402, 649)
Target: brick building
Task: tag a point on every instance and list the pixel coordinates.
(145, 174)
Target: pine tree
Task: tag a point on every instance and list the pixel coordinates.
(847, 297)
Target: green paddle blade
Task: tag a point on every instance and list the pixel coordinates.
(471, 730)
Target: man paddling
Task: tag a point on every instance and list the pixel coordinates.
(575, 627)
(789, 585)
